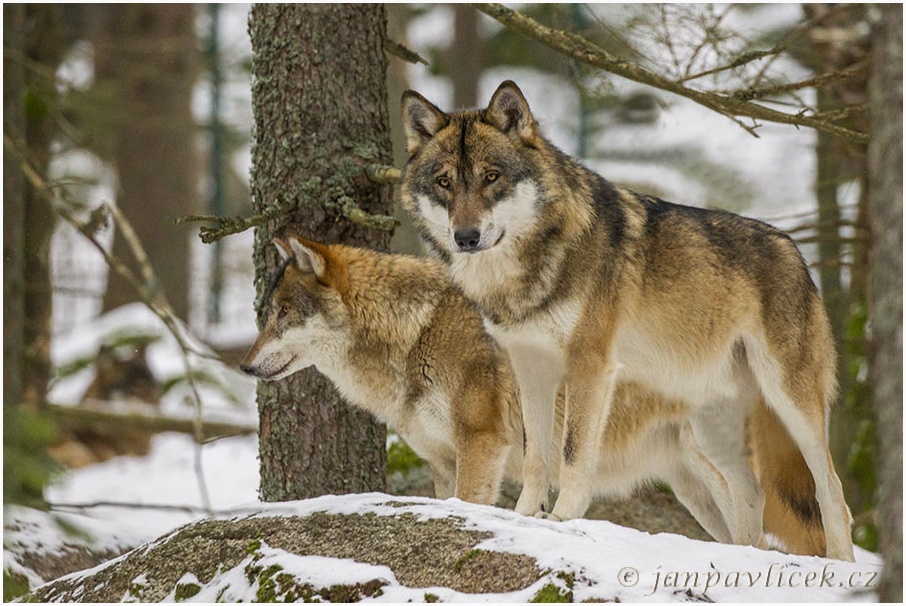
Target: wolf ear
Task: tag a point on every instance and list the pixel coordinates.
(510, 113)
(283, 249)
(309, 258)
(421, 120)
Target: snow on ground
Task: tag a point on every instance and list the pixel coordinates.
(604, 561)
(610, 561)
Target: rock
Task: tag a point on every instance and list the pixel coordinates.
(245, 559)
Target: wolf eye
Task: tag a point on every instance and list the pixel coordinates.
(284, 309)
(444, 182)
(492, 176)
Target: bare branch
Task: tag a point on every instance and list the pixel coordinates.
(743, 59)
(580, 49)
(398, 50)
(800, 31)
(69, 507)
(713, 26)
(817, 81)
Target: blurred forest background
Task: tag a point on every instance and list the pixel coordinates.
(119, 119)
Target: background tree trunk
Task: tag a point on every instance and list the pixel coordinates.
(43, 45)
(833, 47)
(148, 56)
(465, 57)
(886, 301)
(13, 206)
(320, 114)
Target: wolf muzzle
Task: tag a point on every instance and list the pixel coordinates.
(468, 239)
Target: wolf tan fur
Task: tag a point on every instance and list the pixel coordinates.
(585, 284)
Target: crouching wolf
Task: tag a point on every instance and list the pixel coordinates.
(582, 282)
(399, 340)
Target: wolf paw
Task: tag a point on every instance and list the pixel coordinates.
(543, 515)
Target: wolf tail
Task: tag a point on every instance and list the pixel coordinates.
(791, 511)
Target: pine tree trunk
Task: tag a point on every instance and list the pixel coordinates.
(147, 53)
(886, 301)
(320, 114)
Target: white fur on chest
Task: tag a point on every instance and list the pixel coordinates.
(537, 347)
(548, 330)
(483, 274)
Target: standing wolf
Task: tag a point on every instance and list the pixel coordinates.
(583, 282)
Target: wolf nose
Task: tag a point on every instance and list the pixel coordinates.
(467, 239)
(249, 370)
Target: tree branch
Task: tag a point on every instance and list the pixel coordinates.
(817, 81)
(578, 48)
(93, 413)
(398, 50)
(227, 226)
(382, 174)
(743, 59)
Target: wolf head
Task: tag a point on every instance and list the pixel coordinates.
(472, 182)
(305, 311)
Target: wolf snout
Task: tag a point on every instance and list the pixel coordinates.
(468, 239)
(248, 369)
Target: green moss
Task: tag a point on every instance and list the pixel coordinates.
(431, 598)
(253, 547)
(469, 555)
(554, 592)
(268, 589)
(274, 585)
(136, 591)
(184, 591)
(14, 585)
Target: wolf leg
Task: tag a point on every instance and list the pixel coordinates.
(588, 402)
(701, 488)
(719, 430)
(444, 480)
(805, 419)
(538, 375)
(480, 462)
(809, 437)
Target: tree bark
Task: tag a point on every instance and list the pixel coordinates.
(320, 115)
(147, 54)
(465, 57)
(13, 206)
(44, 48)
(886, 300)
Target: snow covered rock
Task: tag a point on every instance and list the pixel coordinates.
(375, 547)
